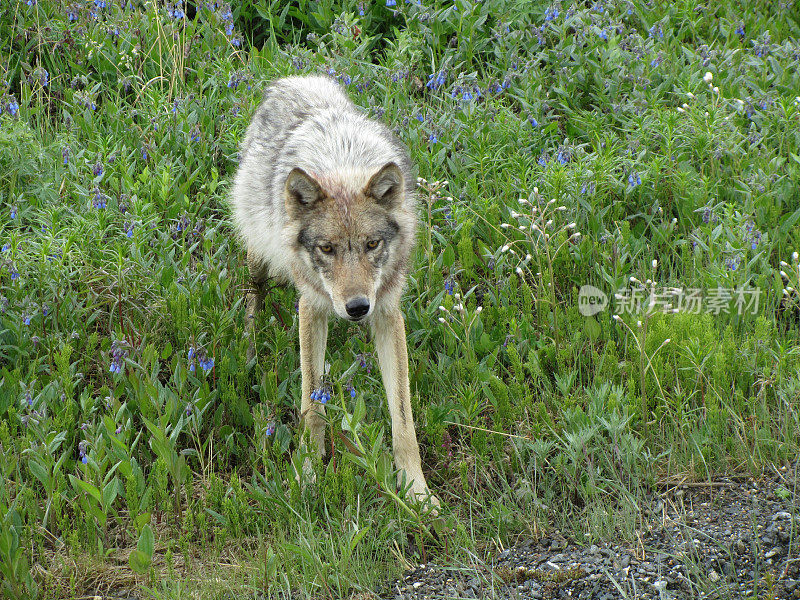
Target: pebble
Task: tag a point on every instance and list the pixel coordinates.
(729, 535)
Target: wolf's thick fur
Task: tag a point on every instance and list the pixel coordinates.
(324, 198)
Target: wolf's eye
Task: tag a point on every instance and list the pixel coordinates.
(372, 244)
(326, 248)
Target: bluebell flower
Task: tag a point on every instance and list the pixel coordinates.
(449, 286)
(634, 179)
(270, 429)
(740, 30)
(100, 200)
(120, 349)
(603, 35)
(45, 309)
(656, 31)
(433, 138)
(194, 135)
(436, 80)
(84, 459)
(6, 247)
(65, 154)
(391, 2)
(550, 14)
(361, 9)
(352, 392)
(13, 106)
(26, 319)
(97, 170)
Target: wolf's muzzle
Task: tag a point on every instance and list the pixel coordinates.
(357, 307)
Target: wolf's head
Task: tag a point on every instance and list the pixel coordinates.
(350, 237)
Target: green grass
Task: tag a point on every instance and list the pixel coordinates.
(118, 140)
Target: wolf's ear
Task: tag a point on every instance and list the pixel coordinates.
(302, 191)
(386, 186)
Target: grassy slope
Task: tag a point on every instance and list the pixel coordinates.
(116, 250)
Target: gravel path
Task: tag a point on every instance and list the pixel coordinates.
(728, 539)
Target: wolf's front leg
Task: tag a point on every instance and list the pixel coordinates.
(255, 299)
(390, 344)
(313, 338)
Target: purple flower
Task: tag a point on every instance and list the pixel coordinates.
(100, 199)
(120, 349)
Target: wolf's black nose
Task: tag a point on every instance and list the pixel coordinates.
(357, 307)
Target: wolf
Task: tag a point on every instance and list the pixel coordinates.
(324, 198)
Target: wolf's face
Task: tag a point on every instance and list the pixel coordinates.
(346, 238)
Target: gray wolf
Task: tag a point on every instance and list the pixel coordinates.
(324, 199)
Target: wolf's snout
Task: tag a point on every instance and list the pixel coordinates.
(357, 307)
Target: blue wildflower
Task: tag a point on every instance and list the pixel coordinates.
(391, 2)
(120, 349)
(100, 200)
(436, 80)
(550, 14)
(656, 31)
(634, 179)
(603, 35)
(740, 30)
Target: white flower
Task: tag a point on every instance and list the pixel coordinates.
(690, 95)
(655, 264)
(708, 77)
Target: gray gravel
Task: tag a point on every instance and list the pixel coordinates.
(728, 539)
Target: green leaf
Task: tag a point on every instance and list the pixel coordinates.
(146, 543)
(40, 473)
(592, 328)
(86, 487)
(139, 562)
